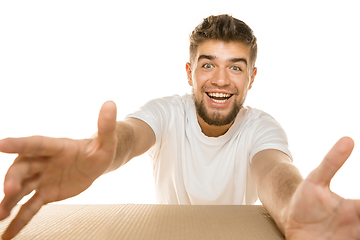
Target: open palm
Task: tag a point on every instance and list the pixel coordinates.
(315, 212)
(55, 168)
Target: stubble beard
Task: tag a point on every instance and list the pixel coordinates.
(215, 118)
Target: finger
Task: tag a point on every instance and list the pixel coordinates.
(332, 162)
(32, 146)
(22, 168)
(10, 200)
(27, 211)
(20, 180)
(107, 125)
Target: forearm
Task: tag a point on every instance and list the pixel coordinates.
(125, 140)
(134, 137)
(276, 189)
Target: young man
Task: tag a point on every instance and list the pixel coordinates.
(206, 149)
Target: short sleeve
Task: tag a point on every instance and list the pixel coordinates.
(268, 134)
(154, 114)
(159, 113)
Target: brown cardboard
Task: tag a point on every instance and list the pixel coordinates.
(149, 221)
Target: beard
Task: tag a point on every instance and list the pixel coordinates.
(214, 118)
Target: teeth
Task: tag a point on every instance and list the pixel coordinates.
(219, 101)
(219, 95)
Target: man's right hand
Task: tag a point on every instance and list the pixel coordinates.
(54, 168)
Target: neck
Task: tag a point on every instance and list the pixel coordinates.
(213, 131)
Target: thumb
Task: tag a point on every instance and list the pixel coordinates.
(107, 125)
(332, 162)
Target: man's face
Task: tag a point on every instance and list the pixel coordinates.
(220, 74)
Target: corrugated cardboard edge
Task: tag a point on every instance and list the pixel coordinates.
(150, 221)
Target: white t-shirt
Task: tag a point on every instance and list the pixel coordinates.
(191, 168)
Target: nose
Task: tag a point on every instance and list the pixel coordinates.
(221, 78)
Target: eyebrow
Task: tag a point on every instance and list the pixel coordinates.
(211, 57)
(234, 60)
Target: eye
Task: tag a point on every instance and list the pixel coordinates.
(207, 65)
(236, 68)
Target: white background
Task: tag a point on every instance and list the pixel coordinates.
(60, 60)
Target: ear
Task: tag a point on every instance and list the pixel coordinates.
(188, 72)
(252, 78)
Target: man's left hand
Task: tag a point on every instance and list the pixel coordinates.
(315, 212)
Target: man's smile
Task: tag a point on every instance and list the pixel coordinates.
(219, 97)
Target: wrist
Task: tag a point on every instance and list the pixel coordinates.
(283, 218)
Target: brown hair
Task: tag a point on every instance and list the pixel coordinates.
(224, 28)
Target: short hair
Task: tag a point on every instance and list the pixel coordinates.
(224, 28)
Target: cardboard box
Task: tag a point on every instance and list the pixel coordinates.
(149, 221)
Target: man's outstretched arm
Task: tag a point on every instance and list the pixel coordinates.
(62, 168)
(307, 209)
(134, 137)
(276, 179)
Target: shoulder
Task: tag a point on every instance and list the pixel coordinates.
(163, 108)
(260, 123)
(170, 101)
(265, 133)
(254, 115)
(162, 113)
